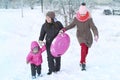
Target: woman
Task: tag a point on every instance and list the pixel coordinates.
(49, 31)
(84, 24)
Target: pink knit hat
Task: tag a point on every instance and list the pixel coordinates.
(83, 9)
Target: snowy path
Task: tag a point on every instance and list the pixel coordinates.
(16, 33)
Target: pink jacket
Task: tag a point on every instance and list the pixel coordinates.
(35, 58)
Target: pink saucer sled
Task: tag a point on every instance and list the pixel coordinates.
(60, 45)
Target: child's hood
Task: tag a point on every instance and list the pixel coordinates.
(34, 44)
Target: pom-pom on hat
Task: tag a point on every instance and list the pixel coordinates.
(83, 9)
(83, 14)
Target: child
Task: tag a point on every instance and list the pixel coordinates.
(35, 58)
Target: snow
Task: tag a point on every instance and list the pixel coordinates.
(16, 34)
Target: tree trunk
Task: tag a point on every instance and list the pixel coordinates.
(42, 6)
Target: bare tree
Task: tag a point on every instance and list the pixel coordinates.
(22, 8)
(64, 14)
(6, 3)
(31, 3)
(42, 5)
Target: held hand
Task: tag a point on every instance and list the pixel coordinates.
(96, 38)
(41, 43)
(62, 31)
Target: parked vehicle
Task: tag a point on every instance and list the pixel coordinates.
(116, 11)
(107, 12)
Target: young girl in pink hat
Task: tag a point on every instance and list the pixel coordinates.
(85, 25)
(35, 58)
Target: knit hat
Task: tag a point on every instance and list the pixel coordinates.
(83, 9)
(51, 14)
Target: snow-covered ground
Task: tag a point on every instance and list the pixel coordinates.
(16, 34)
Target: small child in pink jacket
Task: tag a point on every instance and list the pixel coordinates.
(35, 58)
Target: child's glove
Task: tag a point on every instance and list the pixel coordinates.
(96, 38)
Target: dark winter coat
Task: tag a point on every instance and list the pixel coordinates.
(50, 31)
(84, 34)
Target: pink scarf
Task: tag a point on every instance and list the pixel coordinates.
(82, 18)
